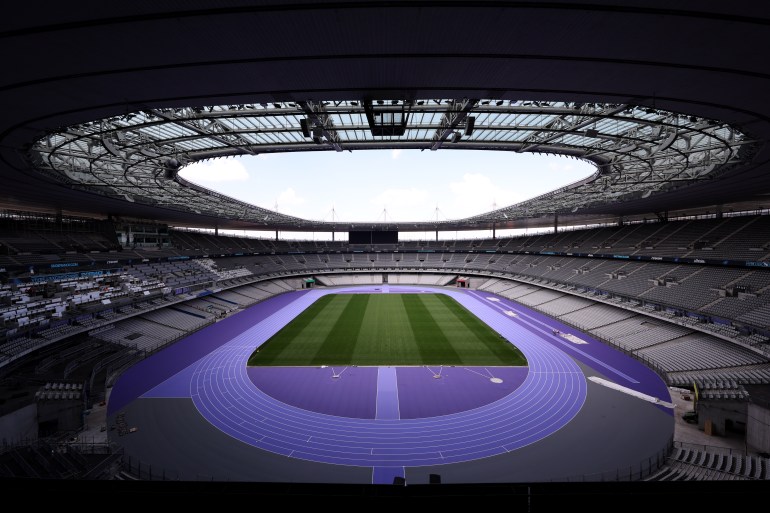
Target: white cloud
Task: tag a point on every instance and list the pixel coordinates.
(288, 202)
(400, 197)
(395, 154)
(402, 204)
(289, 197)
(476, 193)
(216, 170)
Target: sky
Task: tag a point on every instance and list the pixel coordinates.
(386, 185)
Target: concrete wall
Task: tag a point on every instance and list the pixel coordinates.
(476, 281)
(758, 428)
(19, 425)
(66, 415)
(719, 412)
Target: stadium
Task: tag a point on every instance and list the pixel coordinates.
(624, 339)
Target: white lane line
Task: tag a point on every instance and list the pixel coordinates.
(629, 391)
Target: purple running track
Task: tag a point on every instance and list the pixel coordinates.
(385, 475)
(616, 365)
(549, 395)
(387, 394)
(150, 372)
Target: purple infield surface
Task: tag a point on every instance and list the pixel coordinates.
(356, 392)
(414, 422)
(458, 389)
(353, 394)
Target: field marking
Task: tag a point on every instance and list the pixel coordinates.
(629, 391)
(337, 374)
(572, 338)
(434, 374)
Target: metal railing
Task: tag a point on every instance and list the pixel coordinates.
(144, 471)
(70, 457)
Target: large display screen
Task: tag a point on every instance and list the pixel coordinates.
(373, 237)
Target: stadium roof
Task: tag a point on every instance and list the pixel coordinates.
(672, 123)
(638, 151)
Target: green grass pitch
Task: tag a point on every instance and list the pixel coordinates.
(386, 329)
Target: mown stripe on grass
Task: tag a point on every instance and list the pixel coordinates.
(274, 347)
(340, 343)
(432, 343)
(387, 329)
(506, 352)
(385, 337)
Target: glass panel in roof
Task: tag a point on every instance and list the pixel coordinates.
(535, 124)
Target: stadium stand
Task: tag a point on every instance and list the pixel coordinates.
(46, 460)
(696, 463)
(662, 312)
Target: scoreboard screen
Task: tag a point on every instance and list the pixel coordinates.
(373, 237)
